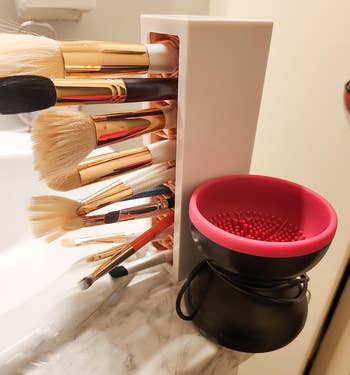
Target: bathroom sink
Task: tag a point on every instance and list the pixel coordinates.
(26, 264)
(38, 280)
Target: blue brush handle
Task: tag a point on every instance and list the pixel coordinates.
(158, 190)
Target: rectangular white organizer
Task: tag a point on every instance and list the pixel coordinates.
(222, 67)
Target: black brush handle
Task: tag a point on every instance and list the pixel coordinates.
(171, 202)
(119, 271)
(112, 217)
(150, 89)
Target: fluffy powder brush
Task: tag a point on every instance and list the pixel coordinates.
(32, 54)
(52, 216)
(111, 165)
(57, 132)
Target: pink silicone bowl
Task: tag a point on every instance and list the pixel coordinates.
(265, 221)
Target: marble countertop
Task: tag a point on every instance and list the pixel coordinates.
(136, 331)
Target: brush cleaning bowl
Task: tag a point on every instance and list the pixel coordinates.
(258, 235)
(262, 227)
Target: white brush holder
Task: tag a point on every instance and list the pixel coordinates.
(222, 66)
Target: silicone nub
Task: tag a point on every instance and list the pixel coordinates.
(257, 225)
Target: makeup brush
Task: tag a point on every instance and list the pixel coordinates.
(53, 215)
(31, 54)
(112, 251)
(121, 238)
(165, 256)
(104, 238)
(29, 93)
(127, 251)
(113, 164)
(158, 190)
(146, 210)
(57, 132)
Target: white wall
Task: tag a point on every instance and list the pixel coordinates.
(304, 134)
(112, 19)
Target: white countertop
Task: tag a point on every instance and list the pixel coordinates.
(136, 331)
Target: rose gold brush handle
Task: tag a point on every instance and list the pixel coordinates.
(113, 164)
(98, 58)
(116, 127)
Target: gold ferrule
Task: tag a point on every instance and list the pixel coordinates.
(113, 164)
(90, 221)
(96, 58)
(116, 127)
(144, 211)
(110, 194)
(106, 253)
(114, 261)
(89, 91)
(111, 238)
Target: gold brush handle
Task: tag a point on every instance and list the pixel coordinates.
(89, 91)
(82, 58)
(117, 127)
(113, 164)
(119, 256)
(107, 90)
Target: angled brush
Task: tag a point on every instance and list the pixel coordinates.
(127, 251)
(57, 132)
(32, 54)
(52, 216)
(111, 165)
(28, 93)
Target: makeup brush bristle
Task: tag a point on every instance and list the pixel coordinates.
(61, 138)
(69, 181)
(52, 216)
(30, 54)
(26, 93)
(85, 283)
